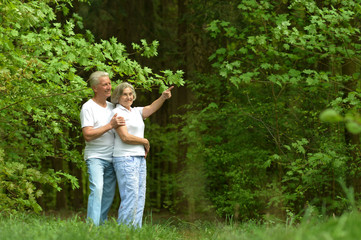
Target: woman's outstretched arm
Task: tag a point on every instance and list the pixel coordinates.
(152, 108)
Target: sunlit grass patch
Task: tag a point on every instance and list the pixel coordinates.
(22, 226)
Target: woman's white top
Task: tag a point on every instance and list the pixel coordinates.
(93, 115)
(135, 125)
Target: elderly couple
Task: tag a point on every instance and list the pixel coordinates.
(116, 149)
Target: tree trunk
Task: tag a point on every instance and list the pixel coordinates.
(352, 140)
(61, 201)
(77, 194)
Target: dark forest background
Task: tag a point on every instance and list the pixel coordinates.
(264, 121)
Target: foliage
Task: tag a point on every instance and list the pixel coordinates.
(222, 137)
(20, 185)
(42, 66)
(251, 142)
(279, 65)
(162, 164)
(352, 119)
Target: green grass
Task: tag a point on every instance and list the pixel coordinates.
(27, 226)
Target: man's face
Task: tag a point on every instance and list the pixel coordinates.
(104, 87)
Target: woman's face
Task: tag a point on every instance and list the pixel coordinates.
(127, 98)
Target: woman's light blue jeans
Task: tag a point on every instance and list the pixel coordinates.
(102, 184)
(131, 175)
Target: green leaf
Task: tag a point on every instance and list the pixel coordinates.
(353, 127)
(331, 116)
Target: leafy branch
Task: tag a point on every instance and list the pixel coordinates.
(38, 97)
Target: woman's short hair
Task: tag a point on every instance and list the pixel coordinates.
(118, 91)
(94, 77)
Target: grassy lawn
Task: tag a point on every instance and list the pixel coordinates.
(28, 226)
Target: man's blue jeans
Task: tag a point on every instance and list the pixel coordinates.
(102, 184)
(131, 175)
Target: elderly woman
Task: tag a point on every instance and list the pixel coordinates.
(130, 151)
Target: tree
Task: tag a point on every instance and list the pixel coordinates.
(280, 65)
(43, 63)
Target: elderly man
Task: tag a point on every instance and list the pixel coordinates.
(97, 123)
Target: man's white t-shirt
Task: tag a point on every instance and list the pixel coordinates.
(94, 115)
(135, 126)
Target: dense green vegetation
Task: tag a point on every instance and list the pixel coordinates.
(42, 87)
(257, 123)
(246, 134)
